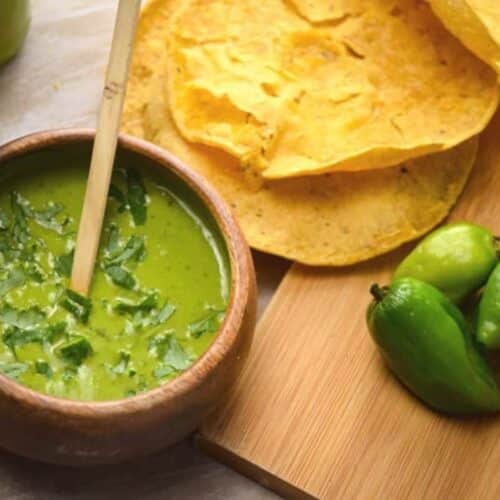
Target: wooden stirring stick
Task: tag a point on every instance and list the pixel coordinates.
(103, 154)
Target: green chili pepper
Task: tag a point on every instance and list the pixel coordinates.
(488, 314)
(457, 259)
(426, 343)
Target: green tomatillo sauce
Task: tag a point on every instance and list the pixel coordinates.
(158, 297)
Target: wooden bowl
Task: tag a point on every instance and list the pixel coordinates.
(87, 433)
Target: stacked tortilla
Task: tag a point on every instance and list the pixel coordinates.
(336, 130)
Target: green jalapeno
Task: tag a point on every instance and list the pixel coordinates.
(457, 259)
(488, 314)
(426, 343)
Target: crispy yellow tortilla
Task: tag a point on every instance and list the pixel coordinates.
(331, 219)
(298, 87)
(319, 11)
(476, 23)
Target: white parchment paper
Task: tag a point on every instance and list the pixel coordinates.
(56, 81)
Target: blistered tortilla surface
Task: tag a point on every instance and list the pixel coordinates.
(296, 87)
(330, 219)
(476, 23)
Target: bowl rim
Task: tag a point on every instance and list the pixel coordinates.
(242, 275)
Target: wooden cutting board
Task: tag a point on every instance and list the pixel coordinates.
(316, 413)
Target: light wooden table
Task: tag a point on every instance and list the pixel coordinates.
(56, 82)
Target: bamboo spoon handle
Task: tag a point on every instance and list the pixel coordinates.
(103, 154)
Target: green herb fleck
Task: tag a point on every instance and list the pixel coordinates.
(171, 353)
(15, 337)
(55, 331)
(25, 318)
(120, 277)
(64, 263)
(113, 245)
(47, 218)
(208, 324)
(15, 278)
(121, 367)
(163, 371)
(13, 370)
(134, 249)
(158, 344)
(20, 206)
(116, 194)
(136, 197)
(69, 373)
(35, 272)
(165, 313)
(4, 220)
(123, 306)
(76, 350)
(43, 368)
(176, 356)
(20, 210)
(78, 305)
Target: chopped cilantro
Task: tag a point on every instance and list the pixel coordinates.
(69, 373)
(13, 370)
(25, 318)
(47, 218)
(43, 368)
(123, 306)
(35, 272)
(20, 211)
(56, 330)
(113, 245)
(120, 277)
(134, 249)
(116, 194)
(78, 305)
(158, 344)
(163, 371)
(176, 356)
(172, 354)
(64, 263)
(208, 324)
(14, 279)
(121, 367)
(4, 220)
(76, 350)
(165, 313)
(14, 336)
(136, 197)
(20, 206)
(27, 326)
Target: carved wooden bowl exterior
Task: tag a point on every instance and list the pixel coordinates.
(88, 433)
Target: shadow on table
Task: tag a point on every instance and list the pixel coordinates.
(270, 271)
(180, 472)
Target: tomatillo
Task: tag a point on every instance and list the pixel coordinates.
(457, 259)
(426, 343)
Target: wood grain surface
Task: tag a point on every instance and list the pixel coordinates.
(316, 413)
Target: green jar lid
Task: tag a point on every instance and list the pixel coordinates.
(14, 25)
